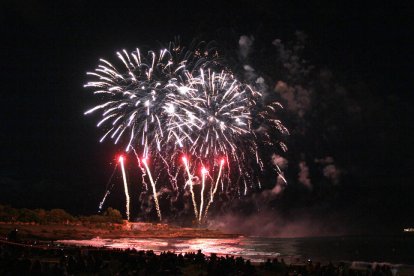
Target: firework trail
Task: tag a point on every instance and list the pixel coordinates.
(108, 188)
(213, 191)
(154, 191)
(190, 181)
(103, 201)
(203, 177)
(121, 161)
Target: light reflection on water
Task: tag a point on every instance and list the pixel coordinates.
(396, 249)
(257, 249)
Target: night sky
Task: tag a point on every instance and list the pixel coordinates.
(50, 154)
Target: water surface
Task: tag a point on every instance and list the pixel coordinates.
(394, 249)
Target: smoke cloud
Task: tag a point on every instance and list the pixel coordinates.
(245, 45)
(297, 98)
(270, 224)
(303, 176)
(330, 170)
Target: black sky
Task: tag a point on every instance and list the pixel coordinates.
(47, 46)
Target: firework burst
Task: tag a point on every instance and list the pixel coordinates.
(135, 96)
(212, 117)
(212, 113)
(177, 102)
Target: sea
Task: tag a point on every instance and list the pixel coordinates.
(392, 249)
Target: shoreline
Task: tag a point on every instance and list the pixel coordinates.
(53, 232)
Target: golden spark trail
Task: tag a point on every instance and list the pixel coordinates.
(121, 160)
(191, 186)
(154, 191)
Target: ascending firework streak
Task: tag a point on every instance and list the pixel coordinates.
(108, 189)
(203, 182)
(213, 191)
(190, 181)
(157, 206)
(121, 161)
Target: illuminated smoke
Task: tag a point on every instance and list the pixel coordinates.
(304, 175)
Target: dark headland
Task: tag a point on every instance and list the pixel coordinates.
(80, 231)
